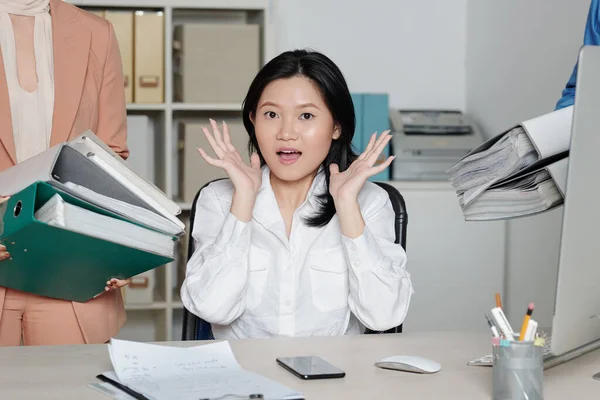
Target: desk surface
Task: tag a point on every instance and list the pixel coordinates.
(63, 372)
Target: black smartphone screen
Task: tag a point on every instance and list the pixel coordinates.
(310, 367)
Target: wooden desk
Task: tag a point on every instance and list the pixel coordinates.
(63, 372)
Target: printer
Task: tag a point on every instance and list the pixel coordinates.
(428, 142)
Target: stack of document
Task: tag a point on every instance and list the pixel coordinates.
(526, 194)
(517, 173)
(80, 207)
(202, 372)
(88, 169)
(125, 210)
(57, 212)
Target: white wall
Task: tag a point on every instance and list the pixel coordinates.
(500, 61)
(520, 55)
(412, 49)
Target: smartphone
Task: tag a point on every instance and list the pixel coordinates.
(310, 367)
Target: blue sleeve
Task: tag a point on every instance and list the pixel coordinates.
(591, 37)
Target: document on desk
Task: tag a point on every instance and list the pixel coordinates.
(202, 372)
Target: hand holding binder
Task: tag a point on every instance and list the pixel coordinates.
(115, 283)
(79, 219)
(3, 203)
(3, 253)
(65, 248)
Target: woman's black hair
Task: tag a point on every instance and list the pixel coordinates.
(334, 90)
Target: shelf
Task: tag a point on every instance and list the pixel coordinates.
(185, 206)
(177, 305)
(207, 107)
(215, 107)
(164, 119)
(204, 4)
(422, 185)
(146, 107)
(161, 305)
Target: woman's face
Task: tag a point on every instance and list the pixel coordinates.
(294, 128)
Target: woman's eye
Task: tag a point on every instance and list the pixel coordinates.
(271, 114)
(306, 116)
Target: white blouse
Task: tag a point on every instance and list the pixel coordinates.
(249, 281)
(31, 112)
(31, 139)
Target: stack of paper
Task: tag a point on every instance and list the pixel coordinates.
(107, 160)
(524, 195)
(202, 372)
(125, 210)
(475, 173)
(517, 173)
(88, 169)
(57, 212)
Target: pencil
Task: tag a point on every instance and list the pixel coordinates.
(498, 302)
(526, 322)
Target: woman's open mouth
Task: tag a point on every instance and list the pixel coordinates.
(288, 156)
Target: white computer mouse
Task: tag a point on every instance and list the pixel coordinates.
(409, 364)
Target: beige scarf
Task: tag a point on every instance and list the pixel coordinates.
(44, 58)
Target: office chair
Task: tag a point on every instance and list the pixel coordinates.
(195, 328)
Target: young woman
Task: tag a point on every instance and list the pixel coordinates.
(60, 74)
(297, 243)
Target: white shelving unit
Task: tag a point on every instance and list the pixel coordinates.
(161, 319)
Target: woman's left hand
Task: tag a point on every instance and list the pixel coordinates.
(115, 283)
(345, 186)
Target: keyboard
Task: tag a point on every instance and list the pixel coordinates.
(488, 360)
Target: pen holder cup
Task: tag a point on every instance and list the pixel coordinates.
(518, 372)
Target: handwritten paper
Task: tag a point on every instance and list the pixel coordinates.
(201, 372)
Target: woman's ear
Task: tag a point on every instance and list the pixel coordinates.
(251, 116)
(337, 131)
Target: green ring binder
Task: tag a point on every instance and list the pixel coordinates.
(55, 262)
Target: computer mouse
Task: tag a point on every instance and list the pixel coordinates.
(416, 364)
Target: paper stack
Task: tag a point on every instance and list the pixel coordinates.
(207, 371)
(78, 216)
(520, 172)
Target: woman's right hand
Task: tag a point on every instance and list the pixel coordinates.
(4, 255)
(246, 178)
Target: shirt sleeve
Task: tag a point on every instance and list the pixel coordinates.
(380, 286)
(591, 37)
(217, 273)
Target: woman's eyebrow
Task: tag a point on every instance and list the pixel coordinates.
(308, 105)
(268, 104)
(303, 105)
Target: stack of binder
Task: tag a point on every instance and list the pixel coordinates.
(520, 172)
(78, 216)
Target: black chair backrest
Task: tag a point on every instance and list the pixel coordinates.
(195, 328)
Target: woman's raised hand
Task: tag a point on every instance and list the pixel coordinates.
(345, 186)
(245, 178)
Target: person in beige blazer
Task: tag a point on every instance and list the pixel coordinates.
(60, 74)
